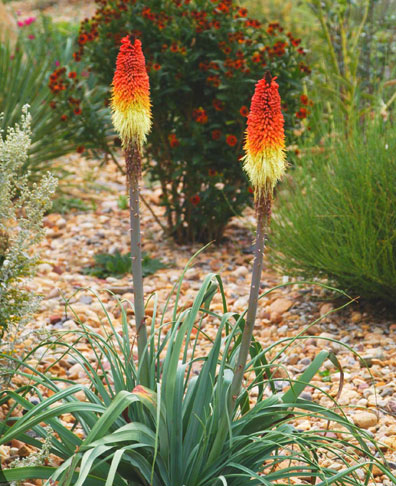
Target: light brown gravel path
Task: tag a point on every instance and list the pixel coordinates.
(73, 239)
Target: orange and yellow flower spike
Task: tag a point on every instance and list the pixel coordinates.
(130, 101)
(265, 163)
(130, 104)
(265, 159)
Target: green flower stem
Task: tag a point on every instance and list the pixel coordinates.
(263, 210)
(133, 164)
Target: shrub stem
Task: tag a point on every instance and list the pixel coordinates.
(263, 211)
(133, 165)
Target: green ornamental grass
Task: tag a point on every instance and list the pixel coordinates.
(337, 220)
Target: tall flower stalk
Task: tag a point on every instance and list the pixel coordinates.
(131, 115)
(265, 163)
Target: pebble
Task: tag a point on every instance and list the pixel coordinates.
(306, 396)
(283, 329)
(387, 392)
(348, 396)
(54, 319)
(61, 223)
(389, 442)
(53, 294)
(86, 299)
(44, 268)
(241, 303)
(241, 271)
(326, 341)
(325, 308)
(356, 317)
(75, 372)
(293, 359)
(120, 289)
(279, 306)
(365, 419)
(276, 318)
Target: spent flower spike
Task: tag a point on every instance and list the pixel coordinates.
(265, 159)
(130, 100)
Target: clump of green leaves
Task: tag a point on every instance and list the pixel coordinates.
(122, 202)
(22, 208)
(117, 265)
(36, 458)
(180, 430)
(337, 221)
(65, 204)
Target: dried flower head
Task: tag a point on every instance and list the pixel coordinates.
(130, 100)
(265, 159)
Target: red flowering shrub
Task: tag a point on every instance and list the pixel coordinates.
(204, 58)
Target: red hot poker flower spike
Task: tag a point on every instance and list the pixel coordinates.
(265, 160)
(130, 101)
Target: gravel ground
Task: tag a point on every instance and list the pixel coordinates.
(59, 10)
(72, 239)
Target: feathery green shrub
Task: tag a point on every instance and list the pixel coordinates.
(337, 219)
(22, 208)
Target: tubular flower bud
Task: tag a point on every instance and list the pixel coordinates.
(265, 158)
(130, 102)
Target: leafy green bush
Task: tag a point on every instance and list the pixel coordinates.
(204, 59)
(117, 264)
(21, 212)
(179, 431)
(338, 219)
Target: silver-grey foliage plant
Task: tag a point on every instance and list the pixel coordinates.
(22, 208)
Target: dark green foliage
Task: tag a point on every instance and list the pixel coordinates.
(337, 218)
(117, 265)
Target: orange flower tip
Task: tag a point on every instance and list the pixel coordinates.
(265, 158)
(140, 389)
(130, 101)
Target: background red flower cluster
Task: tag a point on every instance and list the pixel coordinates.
(203, 59)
